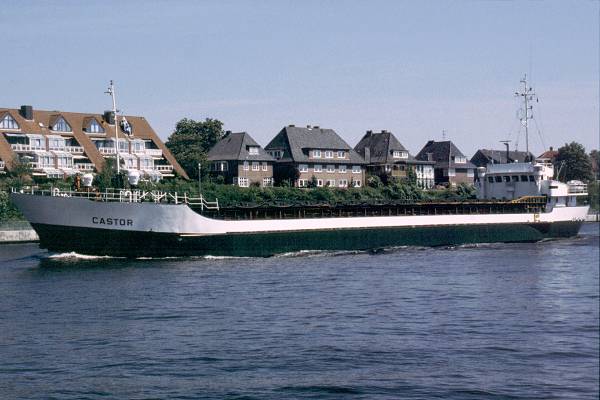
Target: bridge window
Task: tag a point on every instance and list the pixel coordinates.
(490, 179)
(498, 179)
(506, 178)
(514, 178)
(531, 178)
(523, 178)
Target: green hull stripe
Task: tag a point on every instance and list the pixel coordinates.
(150, 244)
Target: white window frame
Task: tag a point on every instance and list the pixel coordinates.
(246, 166)
(242, 181)
(330, 168)
(8, 122)
(253, 150)
(356, 183)
(460, 160)
(341, 154)
(267, 182)
(316, 153)
(342, 169)
(451, 172)
(303, 167)
(302, 183)
(319, 182)
(331, 182)
(356, 169)
(328, 153)
(318, 168)
(265, 166)
(343, 183)
(62, 125)
(94, 127)
(255, 166)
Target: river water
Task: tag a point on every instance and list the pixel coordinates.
(506, 321)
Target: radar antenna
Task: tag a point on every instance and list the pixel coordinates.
(528, 95)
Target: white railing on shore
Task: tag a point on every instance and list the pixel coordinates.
(126, 196)
(577, 187)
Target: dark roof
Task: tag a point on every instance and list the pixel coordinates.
(381, 146)
(296, 142)
(234, 146)
(442, 153)
(499, 157)
(549, 154)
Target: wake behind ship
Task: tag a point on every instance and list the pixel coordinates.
(517, 202)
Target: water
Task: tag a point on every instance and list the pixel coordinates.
(507, 321)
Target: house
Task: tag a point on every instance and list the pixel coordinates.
(56, 144)
(241, 161)
(483, 157)
(451, 165)
(548, 156)
(315, 155)
(385, 155)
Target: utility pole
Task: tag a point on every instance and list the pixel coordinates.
(111, 92)
(199, 179)
(528, 95)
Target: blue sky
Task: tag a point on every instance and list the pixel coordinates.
(415, 68)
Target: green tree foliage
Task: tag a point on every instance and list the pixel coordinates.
(595, 160)
(572, 163)
(191, 141)
(594, 195)
(20, 171)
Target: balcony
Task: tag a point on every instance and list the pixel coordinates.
(74, 149)
(20, 147)
(107, 150)
(154, 152)
(165, 169)
(84, 166)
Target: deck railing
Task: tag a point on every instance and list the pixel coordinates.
(126, 196)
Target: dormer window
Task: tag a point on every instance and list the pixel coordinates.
(276, 154)
(8, 122)
(94, 127)
(316, 153)
(60, 125)
(341, 154)
(328, 154)
(400, 154)
(253, 150)
(460, 160)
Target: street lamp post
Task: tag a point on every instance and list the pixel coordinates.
(199, 179)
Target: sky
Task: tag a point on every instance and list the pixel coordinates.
(421, 69)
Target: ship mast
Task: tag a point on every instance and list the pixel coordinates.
(527, 94)
(111, 92)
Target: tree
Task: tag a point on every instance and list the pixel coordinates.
(191, 141)
(595, 159)
(21, 171)
(573, 163)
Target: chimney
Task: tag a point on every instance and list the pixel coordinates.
(27, 112)
(383, 131)
(429, 156)
(109, 117)
(551, 148)
(227, 133)
(369, 133)
(316, 127)
(367, 154)
(291, 125)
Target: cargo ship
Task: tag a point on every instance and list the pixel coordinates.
(518, 202)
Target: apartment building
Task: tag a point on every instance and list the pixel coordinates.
(56, 144)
